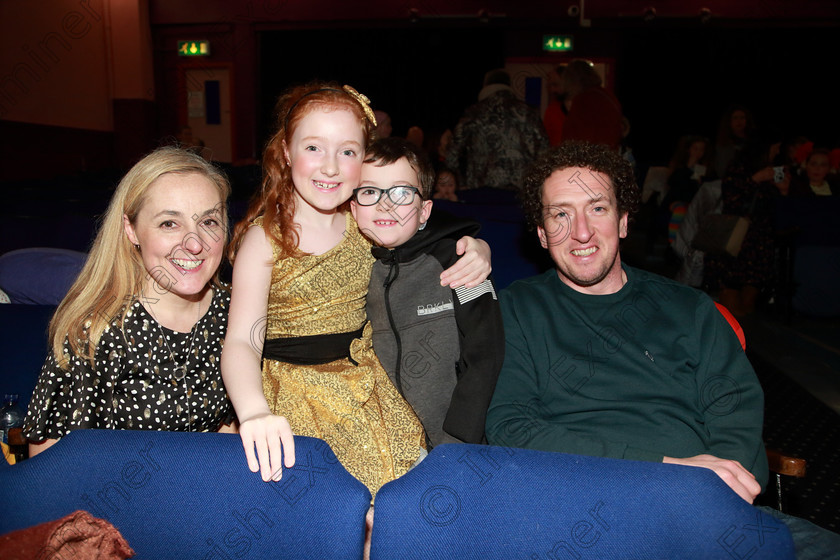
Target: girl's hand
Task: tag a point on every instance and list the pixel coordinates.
(267, 432)
(473, 268)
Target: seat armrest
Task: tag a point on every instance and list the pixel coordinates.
(785, 464)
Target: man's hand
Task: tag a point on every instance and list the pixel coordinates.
(732, 473)
(472, 268)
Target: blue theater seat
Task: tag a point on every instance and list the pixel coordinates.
(23, 347)
(39, 275)
(516, 252)
(469, 501)
(191, 496)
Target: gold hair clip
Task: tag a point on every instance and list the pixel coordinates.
(363, 101)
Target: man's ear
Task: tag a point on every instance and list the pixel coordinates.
(622, 225)
(129, 230)
(542, 236)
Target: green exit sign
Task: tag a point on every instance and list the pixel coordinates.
(193, 48)
(557, 43)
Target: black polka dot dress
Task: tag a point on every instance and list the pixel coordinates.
(135, 383)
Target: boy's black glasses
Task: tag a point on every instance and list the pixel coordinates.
(401, 195)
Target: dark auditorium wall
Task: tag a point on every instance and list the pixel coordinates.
(88, 84)
(76, 87)
(680, 80)
(675, 70)
(672, 80)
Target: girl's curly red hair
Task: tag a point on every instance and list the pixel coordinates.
(276, 200)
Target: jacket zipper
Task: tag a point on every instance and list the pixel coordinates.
(393, 273)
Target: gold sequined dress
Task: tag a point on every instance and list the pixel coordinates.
(353, 407)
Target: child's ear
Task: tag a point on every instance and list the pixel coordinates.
(286, 153)
(425, 211)
(353, 208)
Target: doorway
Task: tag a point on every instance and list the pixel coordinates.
(208, 110)
(530, 76)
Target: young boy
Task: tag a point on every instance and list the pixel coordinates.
(442, 348)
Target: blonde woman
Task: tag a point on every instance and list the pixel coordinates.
(136, 342)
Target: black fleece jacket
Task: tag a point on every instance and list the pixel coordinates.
(442, 348)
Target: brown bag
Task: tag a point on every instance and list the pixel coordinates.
(721, 233)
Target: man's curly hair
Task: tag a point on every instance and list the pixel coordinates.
(579, 154)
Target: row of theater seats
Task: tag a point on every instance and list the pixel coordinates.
(191, 496)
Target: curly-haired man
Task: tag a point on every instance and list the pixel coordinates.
(607, 360)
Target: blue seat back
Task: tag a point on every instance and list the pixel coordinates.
(39, 275)
(187, 495)
(23, 347)
(470, 501)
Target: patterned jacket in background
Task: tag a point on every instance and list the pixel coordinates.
(496, 141)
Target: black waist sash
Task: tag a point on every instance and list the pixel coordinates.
(311, 350)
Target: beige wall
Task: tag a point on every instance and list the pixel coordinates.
(63, 62)
(130, 42)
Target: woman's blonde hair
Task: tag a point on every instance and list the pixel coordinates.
(114, 273)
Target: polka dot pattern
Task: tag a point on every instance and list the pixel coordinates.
(134, 382)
